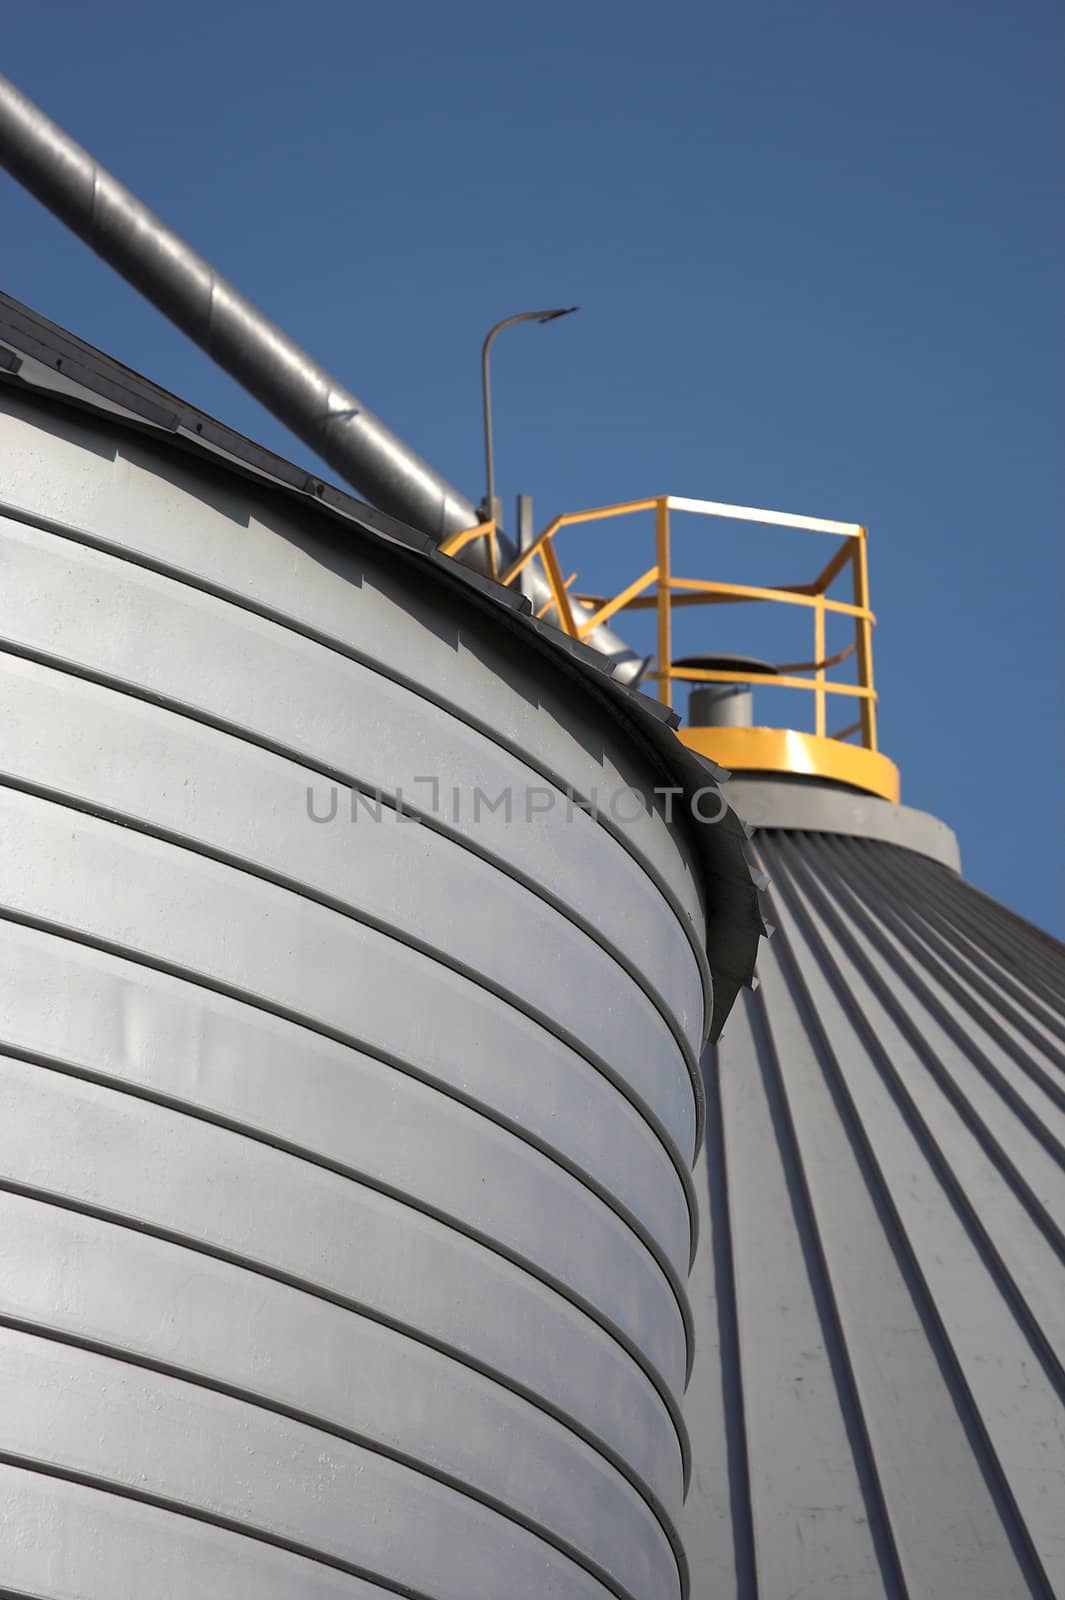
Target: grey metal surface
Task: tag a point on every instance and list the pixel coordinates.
(345, 1194)
(877, 1406)
(60, 378)
(64, 1539)
(807, 805)
(321, 412)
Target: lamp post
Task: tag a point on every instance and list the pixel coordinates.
(488, 509)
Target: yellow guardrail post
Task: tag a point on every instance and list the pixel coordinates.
(864, 640)
(665, 616)
(819, 657)
(563, 605)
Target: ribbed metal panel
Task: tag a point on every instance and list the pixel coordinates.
(877, 1401)
(344, 1167)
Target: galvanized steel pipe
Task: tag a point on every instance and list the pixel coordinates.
(325, 415)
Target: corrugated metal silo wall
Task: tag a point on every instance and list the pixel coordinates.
(344, 1213)
(877, 1405)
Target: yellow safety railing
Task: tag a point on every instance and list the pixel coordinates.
(662, 590)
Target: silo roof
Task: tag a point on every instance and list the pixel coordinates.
(877, 1401)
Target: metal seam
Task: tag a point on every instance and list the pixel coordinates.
(819, 1273)
(896, 926)
(912, 932)
(940, 1345)
(967, 1115)
(181, 1508)
(59, 529)
(431, 953)
(305, 1286)
(74, 670)
(720, 1204)
(239, 1129)
(961, 937)
(638, 1358)
(248, 736)
(295, 885)
(333, 1430)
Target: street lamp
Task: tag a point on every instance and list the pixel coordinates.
(486, 392)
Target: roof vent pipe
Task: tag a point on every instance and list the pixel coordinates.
(723, 705)
(328, 418)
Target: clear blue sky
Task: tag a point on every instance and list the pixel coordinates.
(818, 246)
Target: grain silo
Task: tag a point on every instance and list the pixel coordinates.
(357, 962)
(362, 936)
